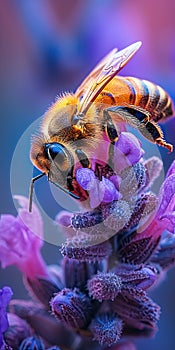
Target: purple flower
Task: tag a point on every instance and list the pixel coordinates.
(128, 150)
(166, 211)
(5, 296)
(63, 219)
(21, 240)
(99, 191)
(116, 249)
(165, 216)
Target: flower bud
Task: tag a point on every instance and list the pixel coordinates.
(72, 307)
(84, 248)
(76, 273)
(165, 254)
(42, 289)
(106, 329)
(17, 331)
(104, 286)
(32, 343)
(136, 309)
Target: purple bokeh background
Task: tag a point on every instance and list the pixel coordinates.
(49, 46)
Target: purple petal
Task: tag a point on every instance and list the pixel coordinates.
(9, 240)
(5, 296)
(19, 242)
(107, 191)
(33, 220)
(94, 195)
(63, 219)
(127, 151)
(167, 196)
(86, 178)
(171, 169)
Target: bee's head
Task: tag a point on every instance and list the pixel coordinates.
(55, 161)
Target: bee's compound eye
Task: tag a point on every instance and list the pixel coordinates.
(58, 154)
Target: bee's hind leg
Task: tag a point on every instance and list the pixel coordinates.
(139, 118)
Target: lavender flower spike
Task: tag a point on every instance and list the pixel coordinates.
(5, 296)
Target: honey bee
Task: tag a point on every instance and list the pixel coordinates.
(75, 124)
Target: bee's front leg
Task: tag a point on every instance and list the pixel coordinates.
(83, 158)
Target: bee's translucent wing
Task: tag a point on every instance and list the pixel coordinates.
(94, 73)
(103, 73)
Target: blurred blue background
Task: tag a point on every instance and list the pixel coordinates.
(49, 46)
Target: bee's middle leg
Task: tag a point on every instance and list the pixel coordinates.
(111, 131)
(109, 127)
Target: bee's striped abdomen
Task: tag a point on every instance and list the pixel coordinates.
(151, 97)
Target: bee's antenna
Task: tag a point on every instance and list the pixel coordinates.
(64, 189)
(31, 189)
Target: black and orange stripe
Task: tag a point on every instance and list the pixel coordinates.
(151, 97)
